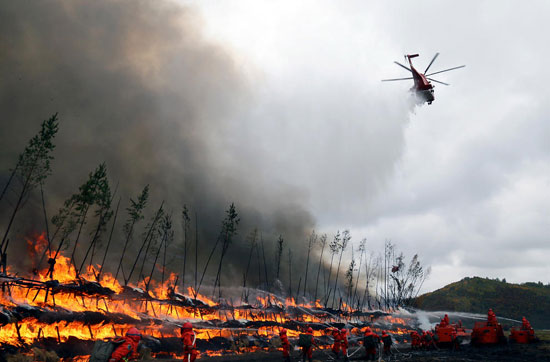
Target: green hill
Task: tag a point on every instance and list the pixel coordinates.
(477, 295)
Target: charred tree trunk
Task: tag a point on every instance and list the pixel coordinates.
(149, 235)
(265, 264)
(13, 172)
(108, 242)
(280, 243)
(245, 277)
(311, 241)
(362, 249)
(289, 273)
(196, 249)
(323, 243)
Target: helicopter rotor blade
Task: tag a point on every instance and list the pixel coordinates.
(437, 81)
(391, 80)
(446, 70)
(433, 60)
(402, 66)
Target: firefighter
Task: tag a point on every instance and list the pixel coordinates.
(128, 348)
(189, 338)
(491, 318)
(286, 345)
(525, 325)
(386, 339)
(344, 343)
(415, 340)
(337, 342)
(428, 340)
(308, 351)
(370, 342)
(444, 321)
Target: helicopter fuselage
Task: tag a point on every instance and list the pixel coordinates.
(422, 86)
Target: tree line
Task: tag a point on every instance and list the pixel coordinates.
(85, 224)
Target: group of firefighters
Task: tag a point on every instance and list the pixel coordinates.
(426, 340)
(340, 345)
(127, 346)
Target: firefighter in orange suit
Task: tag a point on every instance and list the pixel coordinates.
(336, 345)
(189, 338)
(308, 352)
(285, 344)
(370, 342)
(491, 318)
(344, 343)
(128, 349)
(386, 339)
(525, 324)
(415, 340)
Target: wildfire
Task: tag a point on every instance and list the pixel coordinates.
(108, 309)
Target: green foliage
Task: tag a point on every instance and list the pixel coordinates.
(34, 162)
(349, 276)
(477, 295)
(335, 244)
(136, 209)
(229, 226)
(95, 191)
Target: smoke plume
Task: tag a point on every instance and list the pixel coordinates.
(136, 85)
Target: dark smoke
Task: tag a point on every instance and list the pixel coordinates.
(137, 86)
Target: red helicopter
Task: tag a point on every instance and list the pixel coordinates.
(423, 88)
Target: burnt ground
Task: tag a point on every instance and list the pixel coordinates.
(535, 352)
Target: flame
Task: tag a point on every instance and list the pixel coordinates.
(154, 303)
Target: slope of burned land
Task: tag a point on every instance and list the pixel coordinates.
(477, 295)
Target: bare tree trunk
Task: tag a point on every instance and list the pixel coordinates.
(45, 219)
(77, 238)
(259, 267)
(206, 266)
(149, 234)
(327, 287)
(358, 275)
(109, 242)
(289, 273)
(337, 274)
(248, 267)
(312, 239)
(155, 263)
(119, 268)
(265, 264)
(13, 172)
(23, 191)
(323, 243)
(196, 249)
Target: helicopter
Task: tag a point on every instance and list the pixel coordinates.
(423, 88)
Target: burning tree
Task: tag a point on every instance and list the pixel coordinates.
(33, 167)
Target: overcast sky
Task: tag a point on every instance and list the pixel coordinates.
(463, 182)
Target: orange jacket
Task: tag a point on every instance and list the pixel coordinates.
(126, 349)
(189, 341)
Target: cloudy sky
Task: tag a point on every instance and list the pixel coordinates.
(278, 106)
(463, 182)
